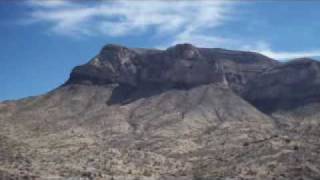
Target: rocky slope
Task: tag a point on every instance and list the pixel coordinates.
(181, 113)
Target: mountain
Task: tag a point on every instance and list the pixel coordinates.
(182, 65)
(184, 113)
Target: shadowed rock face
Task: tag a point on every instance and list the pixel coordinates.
(180, 66)
(287, 86)
(182, 113)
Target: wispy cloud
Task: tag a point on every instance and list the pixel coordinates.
(178, 21)
(120, 18)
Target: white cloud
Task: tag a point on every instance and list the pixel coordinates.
(177, 21)
(120, 18)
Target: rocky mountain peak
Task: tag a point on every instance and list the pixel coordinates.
(185, 51)
(113, 47)
(182, 65)
(116, 54)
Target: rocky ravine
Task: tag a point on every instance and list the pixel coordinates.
(183, 113)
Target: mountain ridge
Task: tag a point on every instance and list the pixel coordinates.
(184, 64)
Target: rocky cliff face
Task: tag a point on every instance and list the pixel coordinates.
(286, 86)
(180, 66)
(180, 113)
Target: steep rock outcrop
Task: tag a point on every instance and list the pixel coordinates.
(183, 65)
(287, 86)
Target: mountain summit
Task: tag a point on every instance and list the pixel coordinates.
(180, 65)
(183, 113)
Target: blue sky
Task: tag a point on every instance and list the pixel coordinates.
(41, 41)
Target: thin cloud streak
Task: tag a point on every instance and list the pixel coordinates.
(289, 55)
(265, 49)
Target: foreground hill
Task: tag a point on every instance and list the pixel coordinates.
(181, 113)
